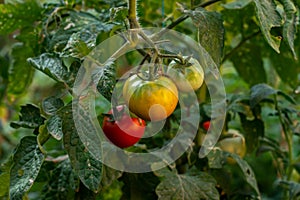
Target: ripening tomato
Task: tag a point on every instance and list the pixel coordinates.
(188, 77)
(124, 131)
(152, 100)
(206, 125)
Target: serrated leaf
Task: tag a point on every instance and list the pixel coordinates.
(20, 72)
(185, 187)
(18, 15)
(247, 171)
(238, 4)
(83, 162)
(259, 92)
(50, 64)
(248, 63)
(61, 183)
(268, 18)
(107, 80)
(290, 24)
(54, 127)
(210, 31)
(79, 23)
(30, 117)
(51, 104)
(27, 161)
(5, 177)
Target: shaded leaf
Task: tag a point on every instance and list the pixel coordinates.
(286, 66)
(61, 184)
(27, 161)
(248, 63)
(17, 15)
(247, 171)
(54, 127)
(83, 162)
(51, 104)
(30, 117)
(139, 186)
(210, 32)
(20, 72)
(292, 187)
(290, 24)
(254, 129)
(181, 186)
(259, 92)
(5, 177)
(109, 176)
(268, 18)
(238, 4)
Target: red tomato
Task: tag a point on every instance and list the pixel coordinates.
(125, 131)
(206, 125)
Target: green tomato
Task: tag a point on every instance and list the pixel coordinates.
(186, 78)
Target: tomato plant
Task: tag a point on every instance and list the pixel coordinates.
(53, 76)
(187, 76)
(153, 100)
(124, 131)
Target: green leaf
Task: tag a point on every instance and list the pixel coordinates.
(18, 15)
(292, 187)
(183, 187)
(238, 4)
(20, 72)
(109, 175)
(247, 171)
(107, 80)
(286, 66)
(210, 31)
(215, 159)
(259, 92)
(62, 182)
(139, 186)
(248, 63)
(290, 24)
(254, 129)
(54, 127)
(84, 24)
(87, 167)
(118, 13)
(30, 117)
(5, 177)
(51, 65)
(51, 104)
(27, 161)
(268, 18)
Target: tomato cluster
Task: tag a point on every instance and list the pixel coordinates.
(152, 100)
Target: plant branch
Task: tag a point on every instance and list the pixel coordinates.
(228, 55)
(184, 17)
(132, 17)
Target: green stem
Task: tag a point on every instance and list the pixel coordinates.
(132, 17)
(289, 141)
